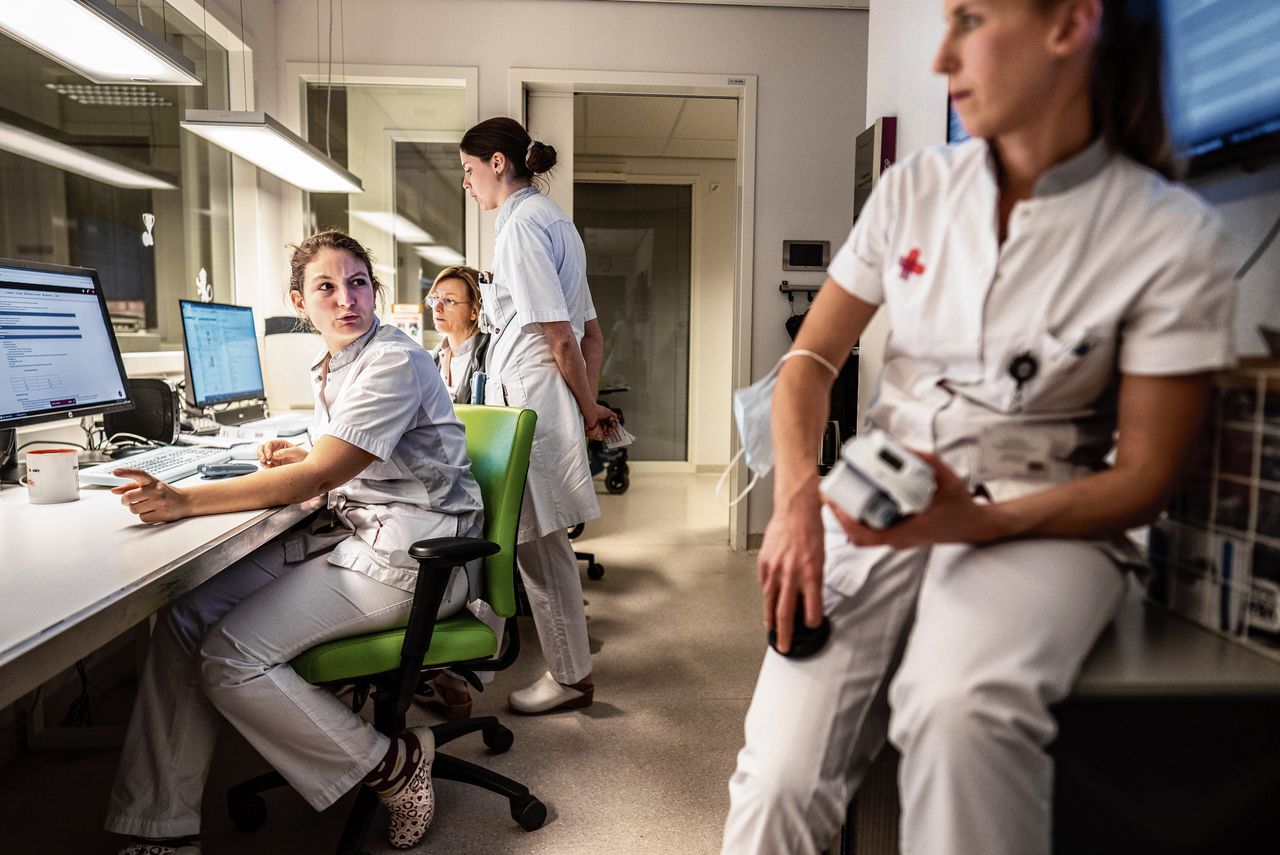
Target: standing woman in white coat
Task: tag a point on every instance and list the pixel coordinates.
(1052, 296)
(545, 353)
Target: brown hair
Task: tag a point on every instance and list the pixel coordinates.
(1126, 87)
(470, 278)
(306, 251)
(527, 156)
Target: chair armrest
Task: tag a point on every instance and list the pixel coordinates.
(452, 550)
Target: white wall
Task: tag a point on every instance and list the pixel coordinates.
(1249, 204)
(811, 65)
(903, 37)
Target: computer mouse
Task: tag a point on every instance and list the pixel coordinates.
(805, 640)
(244, 451)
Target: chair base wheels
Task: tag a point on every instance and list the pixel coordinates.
(595, 570)
(528, 812)
(497, 739)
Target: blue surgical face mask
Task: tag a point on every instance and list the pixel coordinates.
(752, 406)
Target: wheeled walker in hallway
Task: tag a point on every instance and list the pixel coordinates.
(617, 478)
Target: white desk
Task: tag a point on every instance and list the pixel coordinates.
(76, 575)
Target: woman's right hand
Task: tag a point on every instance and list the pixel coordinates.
(599, 422)
(790, 562)
(152, 500)
(279, 452)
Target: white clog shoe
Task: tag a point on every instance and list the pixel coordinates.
(546, 695)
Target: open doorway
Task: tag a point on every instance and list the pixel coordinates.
(624, 148)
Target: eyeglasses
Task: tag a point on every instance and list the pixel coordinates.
(434, 300)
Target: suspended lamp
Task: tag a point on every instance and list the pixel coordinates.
(37, 146)
(269, 145)
(94, 38)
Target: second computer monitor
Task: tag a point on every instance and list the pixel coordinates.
(222, 362)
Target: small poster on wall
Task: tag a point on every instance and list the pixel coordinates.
(875, 151)
(406, 317)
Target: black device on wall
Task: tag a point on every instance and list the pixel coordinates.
(806, 255)
(155, 415)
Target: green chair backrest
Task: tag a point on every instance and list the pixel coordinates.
(499, 440)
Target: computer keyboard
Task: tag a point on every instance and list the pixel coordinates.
(167, 463)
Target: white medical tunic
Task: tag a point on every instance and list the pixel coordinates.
(383, 394)
(1108, 269)
(539, 275)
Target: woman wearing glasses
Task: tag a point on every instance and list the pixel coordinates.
(545, 354)
(454, 300)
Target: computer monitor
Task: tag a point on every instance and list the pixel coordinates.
(1223, 91)
(222, 364)
(58, 353)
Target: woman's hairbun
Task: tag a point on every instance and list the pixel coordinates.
(540, 157)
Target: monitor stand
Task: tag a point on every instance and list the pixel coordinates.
(240, 415)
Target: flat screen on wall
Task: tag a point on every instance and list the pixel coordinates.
(1223, 79)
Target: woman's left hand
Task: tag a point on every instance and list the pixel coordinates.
(952, 517)
(152, 500)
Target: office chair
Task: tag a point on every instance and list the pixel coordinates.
(595, 570)
(499, 440)
(288, 349)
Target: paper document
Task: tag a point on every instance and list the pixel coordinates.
(619, 437)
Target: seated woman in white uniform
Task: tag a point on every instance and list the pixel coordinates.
(455, 304)
(389, 450)
(1051, 296)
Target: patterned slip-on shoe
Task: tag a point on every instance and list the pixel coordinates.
(437, 698)
(146, 847)
(546, 695)
(414, 806)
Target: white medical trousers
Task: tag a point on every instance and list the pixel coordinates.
(223, 651)
(955, 653)
(554, 588)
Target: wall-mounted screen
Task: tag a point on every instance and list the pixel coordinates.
(1223, 79)
(805, 254)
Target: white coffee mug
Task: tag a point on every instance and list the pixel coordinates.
(53, 476)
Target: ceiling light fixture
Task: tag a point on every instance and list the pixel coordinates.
(269, 145)
(47, 150)
(401, 228)
(96, 39)
(266, 143)
(442, 256)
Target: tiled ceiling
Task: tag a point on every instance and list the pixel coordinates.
(654, 126)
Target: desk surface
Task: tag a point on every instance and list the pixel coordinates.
(73, 576)
(1151, 652)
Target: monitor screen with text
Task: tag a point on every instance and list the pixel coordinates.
(58, 351)
(222, 353)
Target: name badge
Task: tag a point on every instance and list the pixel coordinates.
(1013, 452)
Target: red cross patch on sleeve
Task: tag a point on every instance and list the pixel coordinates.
(910, 264)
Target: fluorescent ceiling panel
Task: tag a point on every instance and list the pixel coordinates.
(96, 39)
(400, 228)
(441, 255)
(269, 145)
(37, 147)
